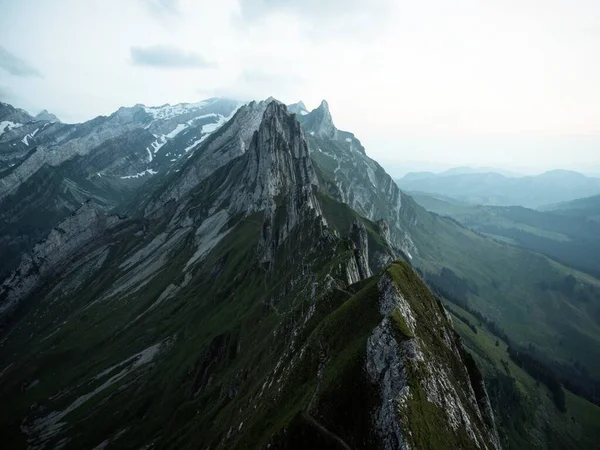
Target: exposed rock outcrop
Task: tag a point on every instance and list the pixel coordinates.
(320, 122)
(411, 357)
(277, 174)
(358, 234)
(84, 225)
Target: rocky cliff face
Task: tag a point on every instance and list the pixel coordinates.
(320, 123)
(230, 142)
(51, 255)
(410, 356)
(240, 312)
(277, 169)
(361, 182)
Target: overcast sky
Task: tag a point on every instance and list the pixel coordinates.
(496, 82)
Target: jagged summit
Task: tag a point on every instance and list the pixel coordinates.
(46, 116)
(11, 117)
(298, 108)
(277, 160)
(320, 123)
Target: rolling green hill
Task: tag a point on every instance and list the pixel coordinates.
(569, 233)
(495, 189)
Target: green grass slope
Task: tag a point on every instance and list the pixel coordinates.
(523, 407)
(570, 236)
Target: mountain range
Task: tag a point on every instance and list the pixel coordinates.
(221, 275)
(493, 188)
(48, 169)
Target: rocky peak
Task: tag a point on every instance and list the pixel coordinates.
(46, 258)
(358, 234)
(277, 174)
(277, 161)
(46, 116)
(9, 113)
(319, 122)
(298, 108)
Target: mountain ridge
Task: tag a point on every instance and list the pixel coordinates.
(235, 260)
(240, 297)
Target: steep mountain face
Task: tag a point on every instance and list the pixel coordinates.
(48, 169)
(236, 312)
(499, 190)
(231, 141)
(360, 182)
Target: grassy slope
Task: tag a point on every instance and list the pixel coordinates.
(524, 410)
(505, 286)
(588, 208)
(572, 238)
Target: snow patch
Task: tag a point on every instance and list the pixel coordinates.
(208, 129)
(27, 136)
(168, 111)
(140, 174)
(7, 125)
(158, 143)
(178, 129)
(195, 143)
(191, 121)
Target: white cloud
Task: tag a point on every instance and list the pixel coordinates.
(168, 57)
(16, 66)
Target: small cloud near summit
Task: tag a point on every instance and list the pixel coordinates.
(163, 6)
(166, 57)
(16, 66)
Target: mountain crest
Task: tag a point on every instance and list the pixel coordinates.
(320, 123)
(277, 161)
(46, 116)
(298, 108)
(278, 175)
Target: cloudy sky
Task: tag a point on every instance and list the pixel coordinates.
(511, 83)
